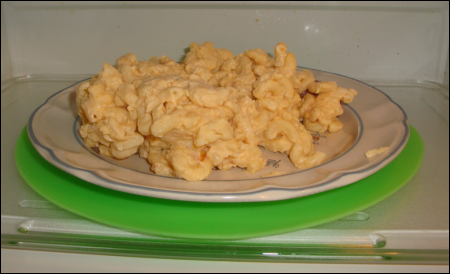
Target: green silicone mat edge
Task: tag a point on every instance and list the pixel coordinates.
(226, 221)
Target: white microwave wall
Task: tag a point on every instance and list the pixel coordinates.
(364, 40)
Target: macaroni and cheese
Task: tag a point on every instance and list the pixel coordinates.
(376, 151)
(213, 110)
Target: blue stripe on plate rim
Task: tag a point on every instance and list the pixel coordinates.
(401, 145)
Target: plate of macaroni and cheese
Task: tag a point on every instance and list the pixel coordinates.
(219, 127)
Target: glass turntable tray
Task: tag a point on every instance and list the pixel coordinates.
(409, 226)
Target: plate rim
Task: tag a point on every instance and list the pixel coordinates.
(223, 196)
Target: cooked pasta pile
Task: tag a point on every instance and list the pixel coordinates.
(213, 110)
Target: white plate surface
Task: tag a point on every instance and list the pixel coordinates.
(371, 121)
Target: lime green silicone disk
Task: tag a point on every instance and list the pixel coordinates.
(185, 219)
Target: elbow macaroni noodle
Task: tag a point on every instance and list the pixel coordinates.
(212, 110)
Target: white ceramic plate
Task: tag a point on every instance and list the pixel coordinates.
(371, 121)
